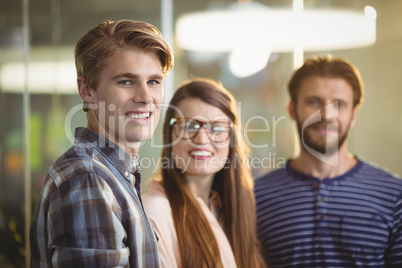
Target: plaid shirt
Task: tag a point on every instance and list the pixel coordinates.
(88, 213)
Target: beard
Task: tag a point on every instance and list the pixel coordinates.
(322, 146)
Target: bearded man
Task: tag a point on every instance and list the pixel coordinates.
(327, 207)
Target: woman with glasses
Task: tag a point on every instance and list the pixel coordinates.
(202, 204)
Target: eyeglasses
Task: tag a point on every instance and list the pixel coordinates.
(217, 131)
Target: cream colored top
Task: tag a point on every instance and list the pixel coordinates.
(159, 213)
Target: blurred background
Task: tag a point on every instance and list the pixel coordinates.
(40, 107)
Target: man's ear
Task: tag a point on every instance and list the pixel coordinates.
(86, 93)
(291, 110)
(354, 115)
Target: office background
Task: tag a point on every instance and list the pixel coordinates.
(39, 106)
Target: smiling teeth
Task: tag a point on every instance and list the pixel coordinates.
(138, 116)
(201, 153)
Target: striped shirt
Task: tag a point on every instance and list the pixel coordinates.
(354, 220)
(88, 212)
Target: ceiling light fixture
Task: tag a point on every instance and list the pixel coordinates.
(251, 27)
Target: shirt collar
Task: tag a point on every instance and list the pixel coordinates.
(117, 156)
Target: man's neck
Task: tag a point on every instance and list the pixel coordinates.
(130, 148)
(331, 167)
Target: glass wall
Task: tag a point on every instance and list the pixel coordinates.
(43, 128)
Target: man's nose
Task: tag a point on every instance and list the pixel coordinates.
(141, 94)
(330, 111)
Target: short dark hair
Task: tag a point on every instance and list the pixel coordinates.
(331, 68)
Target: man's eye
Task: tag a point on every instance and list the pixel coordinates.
(153, 82)
(125, 82)
(313, 102)
(342, 104)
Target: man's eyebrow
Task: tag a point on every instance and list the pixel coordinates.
(134, 76)
(313, 97)
(156, 77)
(125, 75)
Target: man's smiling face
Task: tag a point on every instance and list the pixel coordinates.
(128, 96)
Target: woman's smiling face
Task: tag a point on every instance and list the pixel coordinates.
(199, 155)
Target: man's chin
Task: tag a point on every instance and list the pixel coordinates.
(138, 139)
(322, 148)
(141, 137)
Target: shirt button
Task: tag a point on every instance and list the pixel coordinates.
(321, 216)
(126, 174)
(316, 185)
(320, 199)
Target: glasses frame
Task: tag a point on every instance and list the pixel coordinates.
(203, 124)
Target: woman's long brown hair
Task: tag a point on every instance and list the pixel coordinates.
(234, 184)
